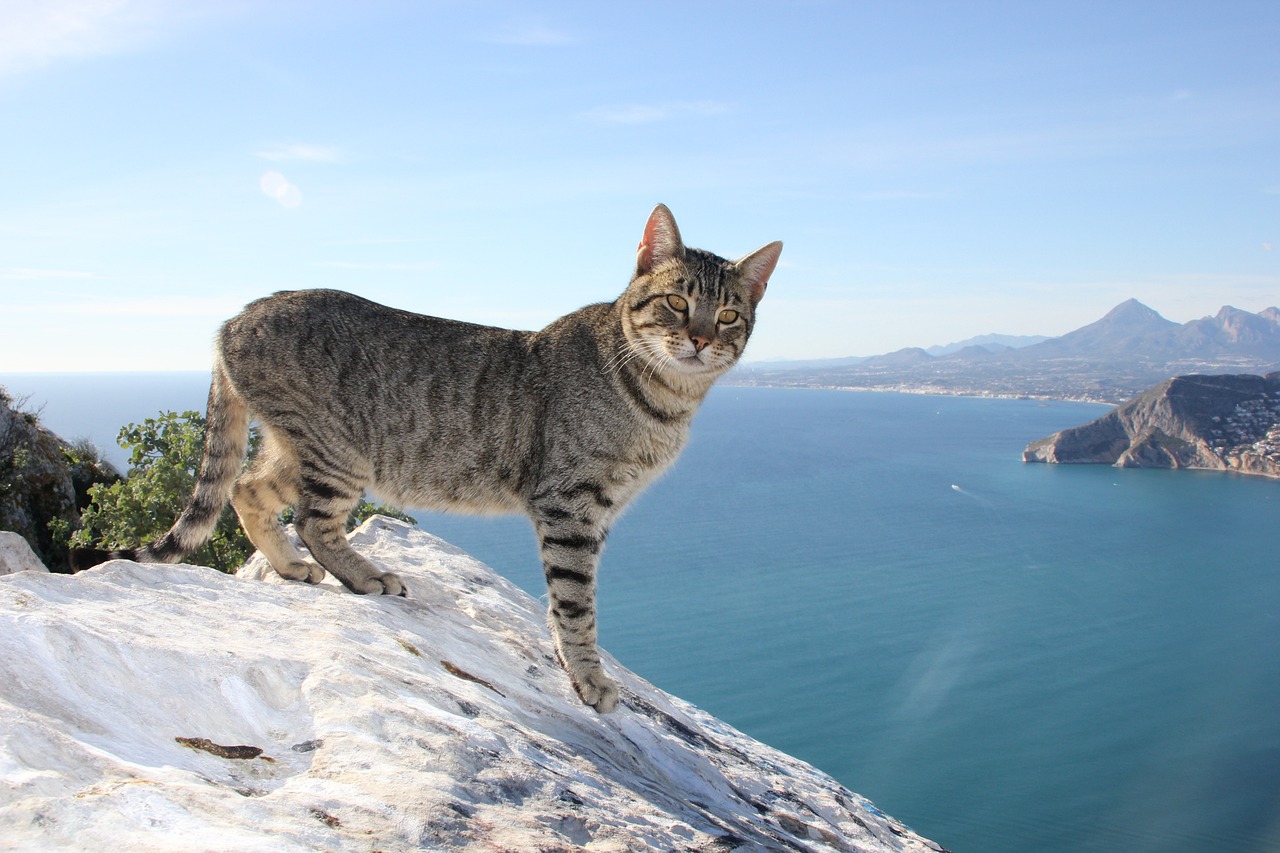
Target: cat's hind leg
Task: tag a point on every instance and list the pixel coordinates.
(325, 501)
(258, 497)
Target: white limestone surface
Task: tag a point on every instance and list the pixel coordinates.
(16, 555)
(175, 708)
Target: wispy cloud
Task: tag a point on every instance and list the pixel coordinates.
(33, 34)
(649, 113)
(420, 266)
(905, 195)
(168, 306)
(531, 35)
(376, 241)
(300, 152)
(19, 274)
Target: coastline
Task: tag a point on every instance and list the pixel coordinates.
(974, 394)
(931, 391)
(1241, 472)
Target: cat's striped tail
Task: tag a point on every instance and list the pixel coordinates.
(226, 444)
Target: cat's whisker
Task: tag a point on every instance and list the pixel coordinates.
(656, 357)
(625, 354)
(622, 361)
(645, 349)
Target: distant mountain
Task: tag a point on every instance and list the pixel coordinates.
(1235, 330)
(899, 358)
(1132, 330)
(1129, 329)
(991, 343)
(802, 363)
(1130, 349)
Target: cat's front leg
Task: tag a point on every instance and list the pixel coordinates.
(569, 558)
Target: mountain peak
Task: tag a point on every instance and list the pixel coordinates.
(905, 356)
(1237, 329)
(1133, 311)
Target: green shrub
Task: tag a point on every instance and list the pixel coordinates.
(165, 454)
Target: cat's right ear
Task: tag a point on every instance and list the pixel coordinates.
(757, 267)
(661, 241)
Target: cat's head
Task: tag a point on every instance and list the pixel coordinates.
(687, 311)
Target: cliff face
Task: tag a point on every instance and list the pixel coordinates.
(42, 479)
(1213, 422)
(151, 707)
(36, 483)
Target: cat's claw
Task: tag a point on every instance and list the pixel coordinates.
(302, 570)
(387, 584)
(391, 585)
(598, 691)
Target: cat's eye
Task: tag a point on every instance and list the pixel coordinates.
(728, 316)
(678, 302)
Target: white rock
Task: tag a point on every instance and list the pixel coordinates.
(439, 721)
(16, 555)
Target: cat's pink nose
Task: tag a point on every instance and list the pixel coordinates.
(699, 343)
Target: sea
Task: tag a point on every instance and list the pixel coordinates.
(1005, 656)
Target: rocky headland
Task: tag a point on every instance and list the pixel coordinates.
(1227, 423)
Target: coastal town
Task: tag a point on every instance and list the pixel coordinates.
(1249, 439)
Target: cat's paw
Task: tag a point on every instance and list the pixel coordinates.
(387, 584)
(597, 690)
(302, 570)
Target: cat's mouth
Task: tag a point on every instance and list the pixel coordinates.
(694, 363)
(687, 360)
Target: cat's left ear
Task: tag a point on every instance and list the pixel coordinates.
(661, 241)
(756, 268)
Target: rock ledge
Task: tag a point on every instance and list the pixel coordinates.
(176, 708)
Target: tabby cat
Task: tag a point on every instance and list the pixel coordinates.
(566, 425)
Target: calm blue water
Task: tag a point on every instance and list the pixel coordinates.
(1008, 657)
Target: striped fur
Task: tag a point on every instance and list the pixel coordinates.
(565, 425)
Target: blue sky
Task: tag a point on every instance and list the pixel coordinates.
(936, 170)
